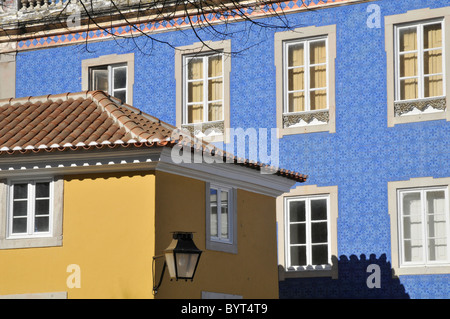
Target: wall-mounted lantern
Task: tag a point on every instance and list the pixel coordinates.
(181, 258)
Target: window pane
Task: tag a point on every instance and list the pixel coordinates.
(433, 86)
(215, 89)
(433, 62)
(298, 256)
(432, 36)
(20, 191)
(318, 77)
(436, 225)
(20, 208)
(213, 217)
(195, 113)
(297, 211)
(296, 79)
(120, 77)
(224, 215)
(296, 54)
(298, 233)
(317, 52)
(99, 79)
(195, 68)
(41, 224)
(215, 66)
(195, 91)
(437, 249)
(318, 100)
(215, 112)
(42, 207)
(409, 89)
(319, 254)
(408, 39)
(319, 232)
(413, 251)
(319, 209)
(408, 64)
(19, 225)
(296, 102)
(121, 95)
(43, 189)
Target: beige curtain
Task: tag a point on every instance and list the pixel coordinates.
(409, 88)
(296, 78)
(318, 75)
(215, 88)
(433, 60)
(195, 90)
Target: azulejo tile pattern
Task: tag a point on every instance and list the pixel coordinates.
(360, 158)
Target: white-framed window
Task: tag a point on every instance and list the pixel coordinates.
(305, 67)
(111, 79)
(221, 218)
(419, 52)
(307, 232)
(221, 208)
(203, 93)
(424, 226)
(30, 208)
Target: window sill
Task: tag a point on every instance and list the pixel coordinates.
(307, 272)
(221, 246)
(422, 270)
(13, 243)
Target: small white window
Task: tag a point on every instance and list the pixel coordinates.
(305, 68)
(308, 232)
(111, 79)
(221, 206)
(424, 226)
(419, 61)
(203, 88)
(221, 218)
(30, 209)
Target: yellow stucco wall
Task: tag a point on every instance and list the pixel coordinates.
(251, 273)
(108, 229)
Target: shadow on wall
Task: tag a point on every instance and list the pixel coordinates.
(353, 281)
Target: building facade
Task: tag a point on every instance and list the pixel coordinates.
(358, 93)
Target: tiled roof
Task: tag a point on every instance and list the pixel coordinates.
(91, 119)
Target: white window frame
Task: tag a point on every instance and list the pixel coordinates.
(112, 59)
(306, 66)
(425, 236)
(31, 190)
(230, 208)
(205, 80)
(214, 242)
(308, 243)
(420, 59)
(111, 68)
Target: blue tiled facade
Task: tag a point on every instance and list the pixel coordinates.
(361, 157)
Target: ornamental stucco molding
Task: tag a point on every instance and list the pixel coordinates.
(292, 119)
(404, 107)
(203, 128)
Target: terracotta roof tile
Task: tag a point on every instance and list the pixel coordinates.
(93, 119)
